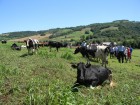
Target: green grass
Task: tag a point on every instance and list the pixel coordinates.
(75, 35)
(47, 77)
(109, 28)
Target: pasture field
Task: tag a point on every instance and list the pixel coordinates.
(47, 77)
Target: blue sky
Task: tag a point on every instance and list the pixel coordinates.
(35, 15)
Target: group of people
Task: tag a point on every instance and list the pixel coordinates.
(89, 46)
(121, 52)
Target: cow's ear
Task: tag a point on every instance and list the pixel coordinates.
(73, 65)
(87, 65)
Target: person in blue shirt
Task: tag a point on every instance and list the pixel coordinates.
(84, 44)
(112, 50)
(121, 55)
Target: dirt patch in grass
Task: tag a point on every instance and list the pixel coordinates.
(33, 37)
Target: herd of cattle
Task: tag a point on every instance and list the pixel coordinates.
(87, 74)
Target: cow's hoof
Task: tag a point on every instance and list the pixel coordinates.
(75, 89)
(91, 87)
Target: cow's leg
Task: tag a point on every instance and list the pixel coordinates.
(31, 50)
(94, 83)
(36, 48)
(102, 62)
(119, 57)
(112, 84)
(28, 51)
(75, 87)
(57, 49)
(50, 48)
(110, 55)
(110, 78)
(76, 84)
(122, 57)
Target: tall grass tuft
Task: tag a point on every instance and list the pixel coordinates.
(67, 56)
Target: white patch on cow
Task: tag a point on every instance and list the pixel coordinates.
(91, 87)
(23, 46)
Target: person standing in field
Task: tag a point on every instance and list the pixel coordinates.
(131, 50)
(129, 53)
(84, 44)
(121, 55)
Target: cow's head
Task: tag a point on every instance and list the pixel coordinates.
(80, 72)
(77, 50)
(107, 50)
(76, 65)
(81, 68)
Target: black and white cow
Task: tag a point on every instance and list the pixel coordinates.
(101, 52)
(32, 45)
(91, 75)
(3, 41)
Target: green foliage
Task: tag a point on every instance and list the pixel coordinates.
(61, 32)
(67, 56)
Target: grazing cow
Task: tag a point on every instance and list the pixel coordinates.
(101, 52)
(15, 47)
(57, 45)
(91, 75)
(32, 45)
(41, 44)
(3, 41)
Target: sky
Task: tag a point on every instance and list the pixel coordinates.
(36, 15)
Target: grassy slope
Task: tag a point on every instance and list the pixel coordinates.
(76, 35)
(33, 37)
(47, 78)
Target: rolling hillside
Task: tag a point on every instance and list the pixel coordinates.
(120, 31)
(46, 36)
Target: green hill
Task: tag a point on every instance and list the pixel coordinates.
(120, 31)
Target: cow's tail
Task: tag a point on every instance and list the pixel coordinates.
(112, 83)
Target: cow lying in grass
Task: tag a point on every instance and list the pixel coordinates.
(15, 47)
(91, 75)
